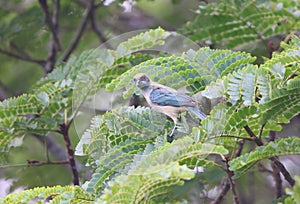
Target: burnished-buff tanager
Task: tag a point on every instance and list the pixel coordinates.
(165, 99)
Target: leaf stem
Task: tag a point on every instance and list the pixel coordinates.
(279, 165)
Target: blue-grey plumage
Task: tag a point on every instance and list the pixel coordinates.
(165, 99)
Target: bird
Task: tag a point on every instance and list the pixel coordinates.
(166, 100)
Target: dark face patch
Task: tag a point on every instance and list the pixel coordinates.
(144, 78)
(142, 81)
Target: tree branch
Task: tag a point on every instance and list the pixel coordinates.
(223, 193)
(64, 130)
(56, 149)
(52, 23)
(52, 146)
(23, 57)
(79, 32)
(276, 171)
(279, 165)
(35, 163)
(262, 168)
(232, 183)
(253, 136)
(283, 170)
(97, 29)
(41, 163)
(229, 182)
(277, 179)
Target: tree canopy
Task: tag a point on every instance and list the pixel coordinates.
(74, 128)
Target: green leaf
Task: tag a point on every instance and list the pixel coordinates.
(280, 147)
(228, 120)
(57, 194)
(137, 124)
(282, 106)
(294, 194)
(142, 41)
(233, 24)
(193, 69)
(114, 162)
(154, 182)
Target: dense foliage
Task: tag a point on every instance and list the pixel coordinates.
(128, 147)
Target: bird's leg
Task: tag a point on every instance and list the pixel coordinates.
(170, 138)
(173, 130)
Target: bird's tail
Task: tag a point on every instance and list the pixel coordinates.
(197, 112)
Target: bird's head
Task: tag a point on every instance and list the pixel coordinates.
(141, 80)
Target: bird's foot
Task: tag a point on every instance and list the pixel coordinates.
(173, 130)
(171, 136)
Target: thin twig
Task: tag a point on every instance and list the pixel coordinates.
(262, 168)
(26, 58)
(261, 131)
(41, 163)
(55, 20)
(277, 179)
(79, 32)
(51, 22)
(280, 166)
(223, 193)
(275, 170)
(239, 149)
(35, 163)
(19, 50)
(97, 30)
(229, 183)
(58, 152)
(232, 183)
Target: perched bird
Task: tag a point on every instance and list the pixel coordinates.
(165, 99)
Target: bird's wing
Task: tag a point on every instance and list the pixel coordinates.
(164, 97)
(197, 112)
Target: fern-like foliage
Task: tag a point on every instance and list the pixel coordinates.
(194, 69)
(61, 93)
(152, 176)
(294, 196)
(101, 66)
(284, 146)
(270, 91)
(142, 41)
(118, 126)
(14, 114)
(113, 140)
(55, 194)
(127, 147)
(233, 23)
(138, 188)
(283, 104)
